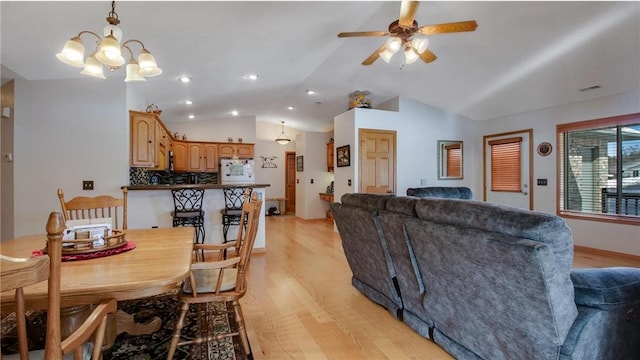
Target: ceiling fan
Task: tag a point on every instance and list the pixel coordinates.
(402, 33)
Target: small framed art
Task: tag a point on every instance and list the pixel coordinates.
(299, 163)
(544, 149)
(343, 155)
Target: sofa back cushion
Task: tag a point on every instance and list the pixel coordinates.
(497, 278)
(363, 244)
(441, 192)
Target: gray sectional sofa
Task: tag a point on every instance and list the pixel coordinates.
(486, 281)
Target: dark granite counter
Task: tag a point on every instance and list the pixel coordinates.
(192, 186)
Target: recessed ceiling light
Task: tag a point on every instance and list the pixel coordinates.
(188, 102)
(251, 77)
(192, 116)
(185, 79)
(310, 92)
(290, 107)
(234, 113)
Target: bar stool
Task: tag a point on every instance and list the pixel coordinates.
(232, 212)
(188, 210)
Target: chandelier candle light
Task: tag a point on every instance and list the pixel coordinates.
(109, 52)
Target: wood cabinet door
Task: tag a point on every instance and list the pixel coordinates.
(226, 150)
(194, 157)
(244, 151)
(330, 150)
(143, 130)
(162, 148)
(180, 156)
(210, 163)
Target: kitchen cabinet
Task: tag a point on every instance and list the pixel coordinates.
(180, 156)
(143, 139)
(163, 146)
(202, 157)
(330, 150)
(243, 151)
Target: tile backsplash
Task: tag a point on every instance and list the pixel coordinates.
(145, 176)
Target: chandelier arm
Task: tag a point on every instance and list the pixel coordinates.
(130, 52)
(134, 40)
(89, 32)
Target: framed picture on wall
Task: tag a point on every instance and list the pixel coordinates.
(343, 154)
(299, 163)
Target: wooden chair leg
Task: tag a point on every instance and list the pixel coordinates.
(176, 334)
(21, 325)
(242, 330)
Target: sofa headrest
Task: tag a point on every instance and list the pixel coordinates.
(403, 205)
(367, 201)
(512, 221)
(441, 192)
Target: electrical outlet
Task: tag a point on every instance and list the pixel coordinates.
(87, 184)
(312, 181)
(349, 182)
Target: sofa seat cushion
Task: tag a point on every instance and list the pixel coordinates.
(607, 288)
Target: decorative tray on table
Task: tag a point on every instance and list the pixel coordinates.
(86, 246)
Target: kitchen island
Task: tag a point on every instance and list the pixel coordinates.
(151, 205)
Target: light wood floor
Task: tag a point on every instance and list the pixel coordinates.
(301, 305)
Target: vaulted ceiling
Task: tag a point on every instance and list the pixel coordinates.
(522, 57)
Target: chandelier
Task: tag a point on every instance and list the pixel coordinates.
(283, 139)
(109, 52)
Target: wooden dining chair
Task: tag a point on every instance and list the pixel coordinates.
(20, 272)
(219, 281)
(103, 206)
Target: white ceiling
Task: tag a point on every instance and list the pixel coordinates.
(523, 56)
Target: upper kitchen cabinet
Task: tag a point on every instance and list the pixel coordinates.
(180, 156)
(243, 151)
(143, 139)
(330, 150)
(150, 141)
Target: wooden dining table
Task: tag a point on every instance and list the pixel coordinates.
(160, 260)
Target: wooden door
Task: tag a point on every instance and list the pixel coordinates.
(179, 156)
(143, 130)
(290, 182)
(195, 156)
(210, 157)
(377, 161)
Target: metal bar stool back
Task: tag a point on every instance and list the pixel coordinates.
(188, 211)
(234, 197)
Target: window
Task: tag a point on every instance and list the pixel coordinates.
(599, 168)
(454, 159)
(506, 164)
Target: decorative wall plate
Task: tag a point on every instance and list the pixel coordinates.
(544, 149)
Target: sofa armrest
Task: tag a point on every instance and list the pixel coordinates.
(607, 288)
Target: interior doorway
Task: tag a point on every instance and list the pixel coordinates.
(290, 182)
(6, 162)
(377, 165)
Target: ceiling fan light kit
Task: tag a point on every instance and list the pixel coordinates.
(401, 34)
(109, 53)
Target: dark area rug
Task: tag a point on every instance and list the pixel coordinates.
(201, 319)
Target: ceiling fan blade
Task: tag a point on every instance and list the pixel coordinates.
(408, 12)
(374, 56)
(363, 33)
(427, 56)
(448, 27)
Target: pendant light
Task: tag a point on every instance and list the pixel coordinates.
(283, 139)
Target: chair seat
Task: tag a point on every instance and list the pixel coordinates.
(187, 214)
(230, 212)
(207, 279)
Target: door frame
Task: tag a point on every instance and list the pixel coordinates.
(484, 161)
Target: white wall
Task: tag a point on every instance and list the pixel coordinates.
(418, 127)
(601, 235)
(313, 147)
(216, 129)
(266, 134)
(67, 131)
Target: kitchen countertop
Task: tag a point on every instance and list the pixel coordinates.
(191, 186)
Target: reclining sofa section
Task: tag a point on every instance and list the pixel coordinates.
(487, 281)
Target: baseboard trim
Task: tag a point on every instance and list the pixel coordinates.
(601, 252)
